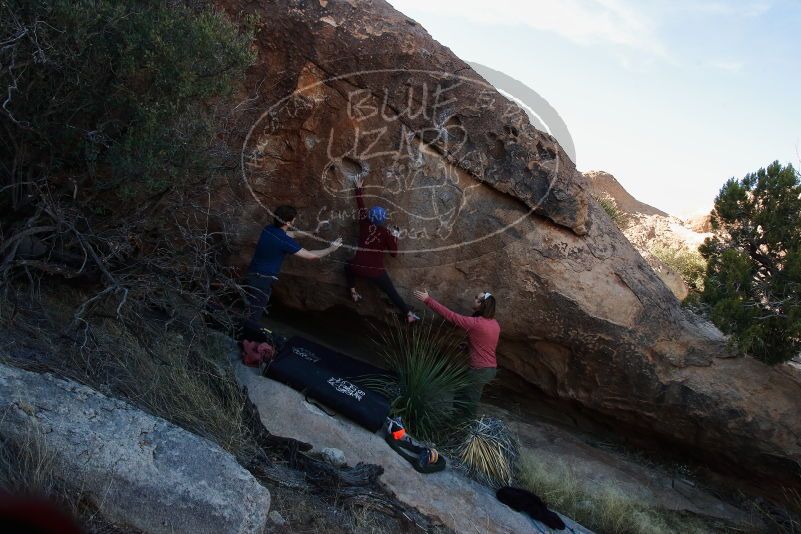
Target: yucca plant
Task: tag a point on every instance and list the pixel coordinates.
(487, 450)
(430, 370)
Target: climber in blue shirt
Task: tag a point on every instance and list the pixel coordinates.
(276, 242)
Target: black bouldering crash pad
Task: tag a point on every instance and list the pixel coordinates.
(331, 378)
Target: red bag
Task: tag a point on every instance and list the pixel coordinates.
(255, 353)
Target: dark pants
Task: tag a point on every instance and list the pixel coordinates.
(472, 394)
(261, 287)
(384, 283)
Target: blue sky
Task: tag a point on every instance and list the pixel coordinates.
(672, 97)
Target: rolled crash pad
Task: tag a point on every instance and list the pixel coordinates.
(330, 378)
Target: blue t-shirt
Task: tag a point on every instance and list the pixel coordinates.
(273, 245)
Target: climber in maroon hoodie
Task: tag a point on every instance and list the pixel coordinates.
(483, 332)
(374, 240)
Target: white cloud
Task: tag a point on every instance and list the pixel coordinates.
(631, 29)
(741, 9)
(728, 66)
(614, 22)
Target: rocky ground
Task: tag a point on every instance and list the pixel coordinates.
(117, 461)
(451, 498)
(599, 456)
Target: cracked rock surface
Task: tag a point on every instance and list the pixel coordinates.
(139, 470)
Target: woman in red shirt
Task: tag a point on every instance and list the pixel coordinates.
(483, 332)
(374, 240)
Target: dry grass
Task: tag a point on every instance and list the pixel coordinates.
(604, 509)
(179, 372)
(305, 514)
(794, 506)
(781, 520)
(186, 381)
(28, 469)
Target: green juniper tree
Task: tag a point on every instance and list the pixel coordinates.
(753, 277)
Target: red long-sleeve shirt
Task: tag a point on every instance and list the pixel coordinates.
(482, 334)
(374, 240)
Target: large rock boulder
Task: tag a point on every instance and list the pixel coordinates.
(345, 89)
(139, 470)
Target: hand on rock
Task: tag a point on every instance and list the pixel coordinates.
(421, 295)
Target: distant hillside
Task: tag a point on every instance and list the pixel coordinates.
(604, 184)
(650, 229)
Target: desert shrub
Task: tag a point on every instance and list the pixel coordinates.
(113, 136)
(690, 265)
(109, 94)
(609, 205)
(487, 451)
(429, 370)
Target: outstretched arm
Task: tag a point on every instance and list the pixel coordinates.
(294, 234)
(321, 253)
(462, 321)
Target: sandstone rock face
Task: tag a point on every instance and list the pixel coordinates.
(672, 279)
(139, 470)
(343, 90)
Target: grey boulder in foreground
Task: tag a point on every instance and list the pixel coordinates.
(140, 470)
